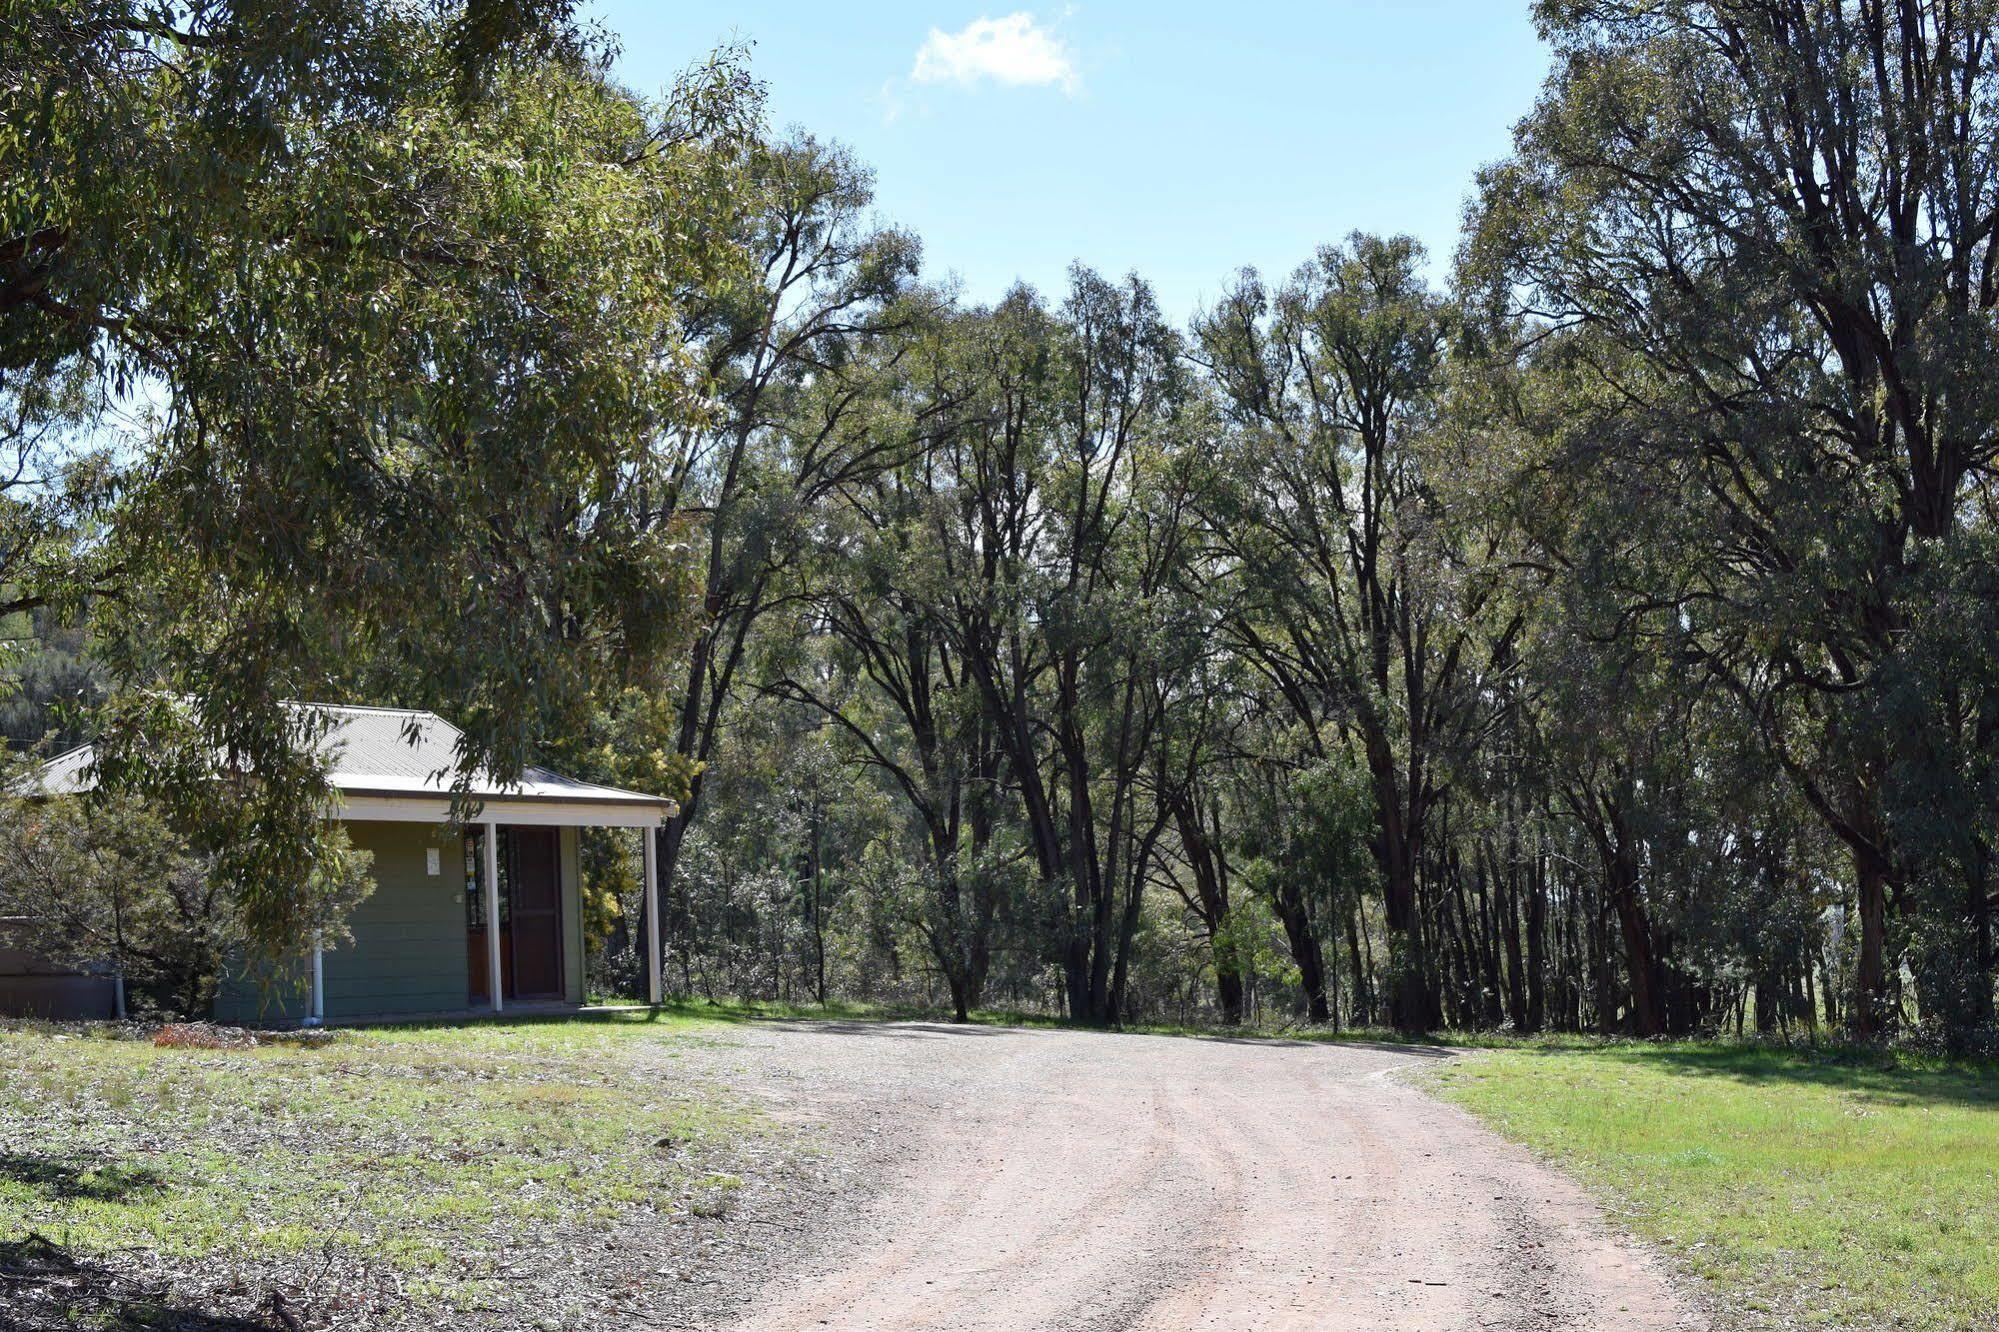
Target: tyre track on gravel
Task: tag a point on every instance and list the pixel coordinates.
(1078, 1180)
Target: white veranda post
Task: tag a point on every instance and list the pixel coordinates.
(489, 874)
(650, 837)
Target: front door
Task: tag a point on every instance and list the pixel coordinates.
(530, 915)
(532, 875)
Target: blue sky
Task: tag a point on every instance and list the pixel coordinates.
(1180, 140)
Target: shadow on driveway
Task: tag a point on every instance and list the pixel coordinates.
(892, 1028)
(907, 1030)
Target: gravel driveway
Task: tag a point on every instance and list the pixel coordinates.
(1026, 1179)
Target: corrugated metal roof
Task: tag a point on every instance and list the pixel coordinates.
(392, 751)
(62, 775)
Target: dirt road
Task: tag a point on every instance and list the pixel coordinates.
(1072, 1180)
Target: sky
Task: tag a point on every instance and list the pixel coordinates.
(1175, 139)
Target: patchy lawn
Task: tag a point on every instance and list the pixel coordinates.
(1813, 1190)
(523, 1171)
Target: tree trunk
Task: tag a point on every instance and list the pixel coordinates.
(1398, 847)
(1228, 984)
(1289, 904)
(1508, 886)
(1537, 936)
(1411, 1005)
(1868, 1013)
(815, 876)
(1640, 961)
(676, 911)
(961, 998)
(1363, 1002)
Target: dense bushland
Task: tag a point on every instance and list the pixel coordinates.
(1603, 639)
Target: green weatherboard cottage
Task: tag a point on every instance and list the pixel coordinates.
(423, 942)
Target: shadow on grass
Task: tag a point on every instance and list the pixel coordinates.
(42, 1286)
(622, 1014)
(1895, 1077)
(1396, 1047)
(67, 1181)
(1876, 1076)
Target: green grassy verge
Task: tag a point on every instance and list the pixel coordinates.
(1813, 1189)
(420, 1151)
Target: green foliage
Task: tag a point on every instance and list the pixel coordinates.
(1314, 829)
(1768, 366)
(1605, 642)
(407, 291)
(107, 884)
(53, 681)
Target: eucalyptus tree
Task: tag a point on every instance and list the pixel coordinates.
(1298, 824)
(1770, 230)
(1191, 686)
(1193, 781)
(789, 351)
(890, 676)
(1334, 382)
(1252, 828)
(1614, 725)
(1059, 549)
(397, 291)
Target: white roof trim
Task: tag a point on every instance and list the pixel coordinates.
(539, 813)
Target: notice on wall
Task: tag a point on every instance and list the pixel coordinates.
(432, 864)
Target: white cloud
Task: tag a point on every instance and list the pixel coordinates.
(1015, 51)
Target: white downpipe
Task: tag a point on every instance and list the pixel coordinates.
(650, 837)
(489, 870)
(317, 1016)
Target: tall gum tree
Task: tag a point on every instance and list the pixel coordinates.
(402, 287)
(891, 678)
(783, 351)
(1769, 230)
(1333, 380)
(1059, 552)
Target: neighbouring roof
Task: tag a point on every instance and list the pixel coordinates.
(396, 752)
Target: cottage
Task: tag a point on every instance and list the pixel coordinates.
(453, 907)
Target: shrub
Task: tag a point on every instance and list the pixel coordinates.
(106, 882)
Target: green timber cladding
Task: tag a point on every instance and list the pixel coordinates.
(407, 954)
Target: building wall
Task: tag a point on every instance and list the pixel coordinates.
(408, 950)
(33, 986)
(264, 995)
(408, 953)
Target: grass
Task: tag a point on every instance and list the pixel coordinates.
(423, 1152)
(1813, 1189)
